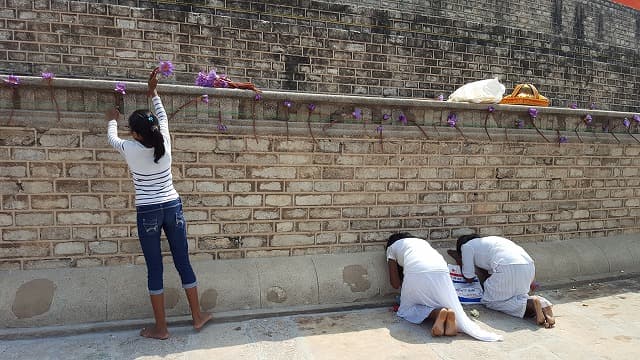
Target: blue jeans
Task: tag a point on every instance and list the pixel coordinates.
(167, 216)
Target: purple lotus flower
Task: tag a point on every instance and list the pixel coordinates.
(379, 129)
(357, 114)
(533, 112)
(212, 76)
(121, 87)
(47, 75)
(402, 118)
(440, 97)
(222, 127)
(563, 139)
(626, 123)
(204, 98)
(519, 123)
(12, 80)
(166, 68)
(452, 119)
(258, 97)
(287, 104)
(491, 109)
(573, 106)
(592, 106)
(636, 118)
(311, 107)
(588, 119)
(386, 117)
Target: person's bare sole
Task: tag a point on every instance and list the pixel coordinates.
(153, 333)
(451, 329)
(540, 319)
(438, 325)
(204, 318)
(550, 320)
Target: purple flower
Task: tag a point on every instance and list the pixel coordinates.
(311, 107)
(204, 98)
(592, 106)
(258, 97)
(379, 129)
(288, 104)
(588, 119)
(222, 127)
(212, 76)
(357, 113)
(605, 127)
(519, 123)
(573, 106)
(491, 109)
(452, 119)
(533, 112)
(166, 68)
(563, 139)
(121, 87)
(626, 123)
(386, 117)
(201, 80)
(440, 97)
(636, 118)
(47, 75)
(12, 80)
(402, 118)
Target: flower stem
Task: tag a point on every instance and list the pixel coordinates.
(287, 122)
(309, 127)
(421, 129)
(460, 131)
(53, 99)
(485, 126)
(576, 130)
(192, 101)
(538, 130)
(253, 123)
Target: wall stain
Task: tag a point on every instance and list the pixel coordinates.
(357, 277)
(33, 298)
(171, 298)
(276, 294)
(209, 299)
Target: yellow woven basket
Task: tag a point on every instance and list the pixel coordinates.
(525, 94)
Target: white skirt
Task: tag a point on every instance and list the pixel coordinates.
(507, 289)
(424, 292)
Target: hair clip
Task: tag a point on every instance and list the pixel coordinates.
(150, 118)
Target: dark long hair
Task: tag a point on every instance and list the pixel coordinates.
(463, 240)
(145, 124)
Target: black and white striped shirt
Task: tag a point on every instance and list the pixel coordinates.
(153, 182)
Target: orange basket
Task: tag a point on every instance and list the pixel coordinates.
(525, 94)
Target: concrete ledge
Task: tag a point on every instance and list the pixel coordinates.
(51, 297)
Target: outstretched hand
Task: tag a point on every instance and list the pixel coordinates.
(112, 114)
(153, 83)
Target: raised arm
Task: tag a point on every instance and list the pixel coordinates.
(466, 263)
(112, 115)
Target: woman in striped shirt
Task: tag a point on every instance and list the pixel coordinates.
(158, 205)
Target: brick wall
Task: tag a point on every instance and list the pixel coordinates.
(66, 198)
(574, 50)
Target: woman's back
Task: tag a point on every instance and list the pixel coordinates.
(415, 255)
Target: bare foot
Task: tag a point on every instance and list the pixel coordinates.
(550, 320)
(438, 325)
(204, 318)
(153, 333)
(540, 319)
(451, 329)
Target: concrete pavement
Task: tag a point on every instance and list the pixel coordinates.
(597, 320)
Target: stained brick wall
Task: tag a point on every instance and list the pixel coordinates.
(574, 50)
(66, 198)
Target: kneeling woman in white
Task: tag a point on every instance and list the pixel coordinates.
(427, 289)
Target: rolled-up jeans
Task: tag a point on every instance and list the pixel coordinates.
(166, 216)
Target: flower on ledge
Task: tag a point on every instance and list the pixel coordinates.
(533, 112)
(48, 77)
(441, 97)
(573, 106)
(12, 80)
(222, 127)
(357, 113)
(563, 139)
(121, 88)
(452, 120)
(519, 123)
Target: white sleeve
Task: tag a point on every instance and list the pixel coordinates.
(468, 266)
(112, 136)
(161, 114)
(390, 254)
